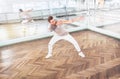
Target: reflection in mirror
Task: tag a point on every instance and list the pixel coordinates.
(97, 13)
(12, 24)
(107, 17)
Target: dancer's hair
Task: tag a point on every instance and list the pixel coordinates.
(20, 10)
(50, 18)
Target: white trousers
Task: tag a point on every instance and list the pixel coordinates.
(68, 38)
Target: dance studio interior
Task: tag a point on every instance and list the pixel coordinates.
(24, 43)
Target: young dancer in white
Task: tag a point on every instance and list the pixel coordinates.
(61, 33)
(25, 16)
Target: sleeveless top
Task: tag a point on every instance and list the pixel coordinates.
(59, 30)
(24, 15)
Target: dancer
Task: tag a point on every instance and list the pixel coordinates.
(60, 33)
(25, 16)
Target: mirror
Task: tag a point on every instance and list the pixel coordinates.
(101, 14)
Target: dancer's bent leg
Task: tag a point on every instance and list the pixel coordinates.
(74, 42)
(54, 39)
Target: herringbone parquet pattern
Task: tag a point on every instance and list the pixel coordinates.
(27, 60)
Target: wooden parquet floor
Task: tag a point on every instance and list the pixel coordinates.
(27, 60)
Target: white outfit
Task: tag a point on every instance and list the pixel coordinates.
(67, 37)
(61, 33)
(26, 17)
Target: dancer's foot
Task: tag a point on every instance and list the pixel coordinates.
(48, 55)
(81, 54)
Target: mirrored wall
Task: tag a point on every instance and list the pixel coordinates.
(102, 14)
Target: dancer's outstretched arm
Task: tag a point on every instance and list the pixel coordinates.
(70, 21)
(28, 10)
